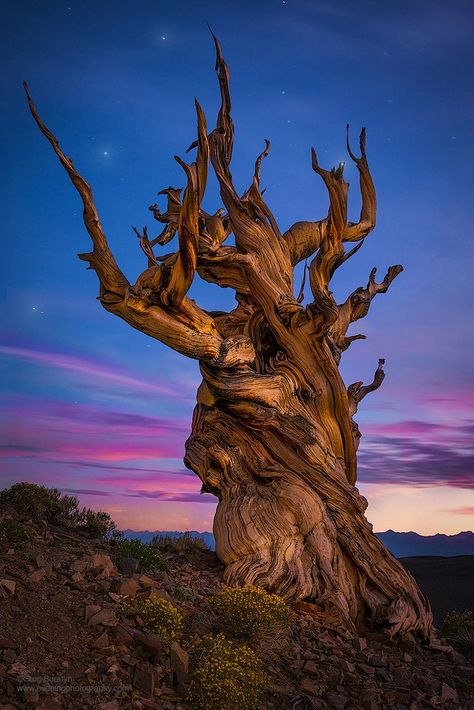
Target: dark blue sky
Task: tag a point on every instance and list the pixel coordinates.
(115, 82)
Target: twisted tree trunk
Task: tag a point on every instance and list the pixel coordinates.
(272, 434)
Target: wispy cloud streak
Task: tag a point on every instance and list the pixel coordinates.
(418, 453)
(92, 370)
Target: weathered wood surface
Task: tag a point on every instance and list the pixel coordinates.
(272, 435)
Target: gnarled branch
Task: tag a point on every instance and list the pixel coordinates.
(356, 231)
(156, 304)
(357, 306)
(113, 283)
(357, 391)
(170, 217)
(304, 238)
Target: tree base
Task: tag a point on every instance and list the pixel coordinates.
(299, 531)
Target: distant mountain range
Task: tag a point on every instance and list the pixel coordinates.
(400, 544)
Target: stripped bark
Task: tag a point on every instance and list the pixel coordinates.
(272, 434)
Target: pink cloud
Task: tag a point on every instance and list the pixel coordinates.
(466, 510)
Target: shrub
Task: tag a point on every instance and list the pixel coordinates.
(249, 611)
(41, 503)
(184, 593)
(11, 531)
(226, 676)
(458, 628)
(148, 557)
(158, 615)
(181, 544)
(98, 524)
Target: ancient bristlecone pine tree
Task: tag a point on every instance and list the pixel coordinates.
(272, 433)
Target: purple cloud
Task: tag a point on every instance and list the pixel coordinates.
(414, 453)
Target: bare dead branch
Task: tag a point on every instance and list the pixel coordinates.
(358, 303)
(357, 391)
(170, 217)
(355, 231)
(113, 283)
(173, 289)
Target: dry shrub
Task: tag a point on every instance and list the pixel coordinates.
(458, 628)
(181, 544)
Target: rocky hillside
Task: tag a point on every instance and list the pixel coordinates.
(75, 633)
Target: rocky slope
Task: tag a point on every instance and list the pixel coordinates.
(64, 643)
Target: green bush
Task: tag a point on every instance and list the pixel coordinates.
(250, 611)
(148, 557)
(11, 531)
(184, 593)
(97, 523)
(41, 503)
(158, 615)
(181, 544)
(226, 676)
(458, 628)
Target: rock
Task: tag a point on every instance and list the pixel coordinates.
(9, 655)
(20, 670)
(103, 564)
(311, 667)
(378, 661)
(129, 587)
(91, 610)
(369, 695)
(359, 643)
(448, 693)
(123, 635)
(159, 594)
(439, 646)
(128, 565)
(9, 585)
(346, 666)
(151, 641)
(407, 658)
(408, 642)
(31, 696)
(37, 575)
(368, 670)
(79, 566)
(144, 679)
(128, 660)
(457, 657)
(105, 616)
(147, 581)
(50, 704)
(77, 577)
(102, 641)
(179, 658)
(6, 643)
(309, 685)
(336, 701)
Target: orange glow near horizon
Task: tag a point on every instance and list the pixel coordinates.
(399, 508)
